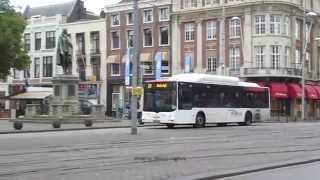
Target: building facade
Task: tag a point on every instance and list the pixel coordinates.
(89, 58)
(155, 37)
(258, 41)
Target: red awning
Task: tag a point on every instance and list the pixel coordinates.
(317, 88)
(294, 91)
(311, 92)
(279, 91)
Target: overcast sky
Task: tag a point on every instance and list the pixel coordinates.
(91, 5)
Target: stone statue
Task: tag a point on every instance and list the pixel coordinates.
(64, 52)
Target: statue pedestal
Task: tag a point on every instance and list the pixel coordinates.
(65, 97)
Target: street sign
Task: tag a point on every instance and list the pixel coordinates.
(137, 91)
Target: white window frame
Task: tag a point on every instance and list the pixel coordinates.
(260, 24)
(212, 64)
(112, 70)
(209, 3)
(144, 69)
(260, 56)
(161, 36)
(112, 20)
(275, 56)
(113, 48)
(129, 30)
(161, 18)
(297, 30)
(128, 22)
(287, 56)
(234, 58)
(309, 60)
(189, 32)
(145, 15)
(211, 30)
(144, 37)
(235, 28)
(286, 25)
(298, 64)
(190, 4)
(168, 67)
(275, 24)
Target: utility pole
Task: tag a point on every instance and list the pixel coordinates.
(304, 49)
(135, 61)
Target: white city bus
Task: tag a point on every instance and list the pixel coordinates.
(198, 99)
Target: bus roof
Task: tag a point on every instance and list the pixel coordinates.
(206, 78)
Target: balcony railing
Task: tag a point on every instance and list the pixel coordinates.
(235, 72)
(94, 52)
(272, 72)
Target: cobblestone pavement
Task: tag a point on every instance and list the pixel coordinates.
(156, 153)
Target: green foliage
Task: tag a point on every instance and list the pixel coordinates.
(12, 54)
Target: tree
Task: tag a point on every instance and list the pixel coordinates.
(12, 54)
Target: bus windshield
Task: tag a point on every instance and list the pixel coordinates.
(160, 100)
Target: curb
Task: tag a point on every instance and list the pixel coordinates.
(70, 129)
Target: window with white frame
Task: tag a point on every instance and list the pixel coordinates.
(234, 57)
(190, 3)
(37, 41)
(147, 68)
(260, 23)
(308, 60)
(27, 42)
(130, 38)
(297, 29)
(275, 57)
(16, 74)
(308, 32)
(212, 64)
(115, 20)
(147, 40)
(147, 15)
(235, 28)
(164, 14)
(287, 57)
(286, 26)
(47, 66)
(130, 18)
(211, 30)
(115, 40)
(260, 56)
(164, 36)
(115, 69)
(165, 66)
(36, 68)
(275, 24)
(211, 2)
(298, 59)
(189, 31)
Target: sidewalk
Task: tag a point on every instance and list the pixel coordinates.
(6, 127)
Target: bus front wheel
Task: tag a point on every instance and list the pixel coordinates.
(200, 121)
(247, 120)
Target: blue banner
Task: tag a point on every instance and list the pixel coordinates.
(127, 67)
(158, 60)
(188, 63)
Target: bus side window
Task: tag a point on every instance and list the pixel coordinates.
(185, 98)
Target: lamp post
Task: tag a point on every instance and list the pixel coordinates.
(306, 37)
(135, 61)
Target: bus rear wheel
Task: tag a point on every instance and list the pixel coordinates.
(247, 120)
(200, 121)
(170, 126)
